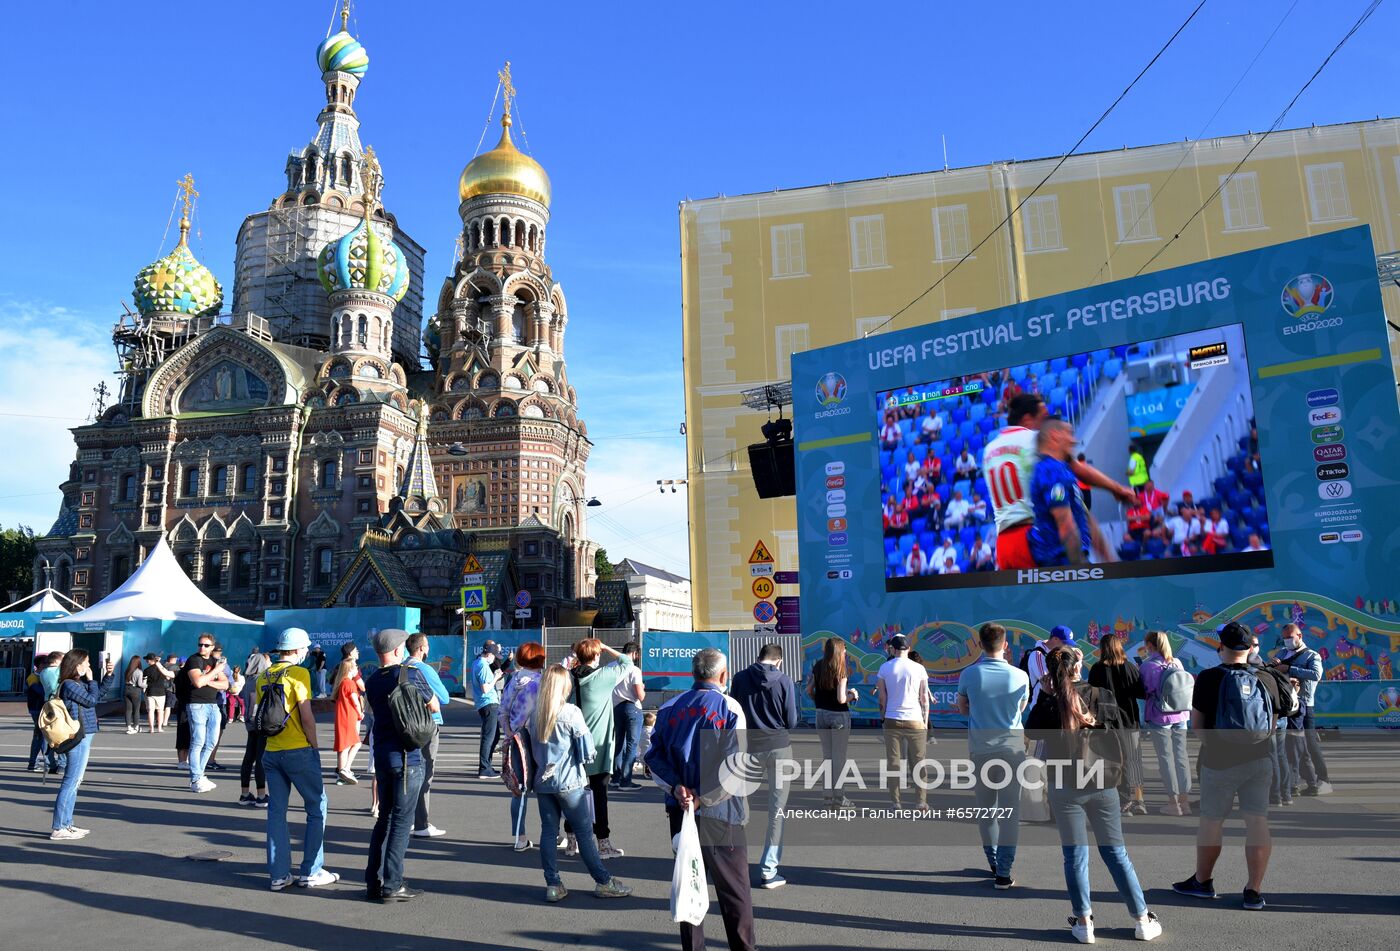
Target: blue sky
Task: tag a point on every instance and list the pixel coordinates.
(631, 108)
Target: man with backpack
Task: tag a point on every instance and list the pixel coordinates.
(38, 688)
(1304, 665)
(1234, 708)
(1033, 660)
(283, 716)
(402, 702)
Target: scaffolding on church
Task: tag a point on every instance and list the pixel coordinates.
(287, 239)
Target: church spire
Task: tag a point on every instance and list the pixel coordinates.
(419, 489)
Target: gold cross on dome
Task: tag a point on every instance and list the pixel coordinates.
(372, 178)
(507, 87)
(187, 192)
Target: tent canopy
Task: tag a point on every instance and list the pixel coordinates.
(159, 590)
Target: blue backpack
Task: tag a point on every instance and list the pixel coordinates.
(1244, 707)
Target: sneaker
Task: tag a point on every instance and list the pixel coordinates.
(322, 877)
(1003, 883)
(487, 774)
(523, 845)
(1194, 888)
(1275, 801)
(247, 799)
(130, 731)
(36, 768)
(1172, 808)
(346, 778)
(776, 881)
(1148, 927)
(79, 831)
(1324, 788)
(606, 850)
(615, 888)
(65, 835)
(216, 766)
(261, 802)
(1253, 900)
(561, 842)
(1286, 802)
(374, 812)
(280, 883)
(557, 893)
(1083, 931)
(1310, 791)
(203, 786)
(432, 832)
(571, 847)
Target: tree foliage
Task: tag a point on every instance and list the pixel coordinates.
(602, 565)
(17, 554)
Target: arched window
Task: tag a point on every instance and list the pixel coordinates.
(65, 577)
(243, 570)
(364, 331)
(328, 473)
(489, 231)
(214, 570)
(121, 570)
(191, 485)
(325, 564)
(128, 488)
(221, 480)
(187, 564)
(398, 476)
(250, 478)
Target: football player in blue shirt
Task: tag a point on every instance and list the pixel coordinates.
(1063, 529)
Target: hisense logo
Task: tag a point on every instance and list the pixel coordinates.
(1042, 575)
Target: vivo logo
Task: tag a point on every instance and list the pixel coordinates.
(1324, 416)
(1325, 397)
(1334, 490)
(837, 538)
(835, 468)
(1333, 470)
(1332, 453)
(1041, 575)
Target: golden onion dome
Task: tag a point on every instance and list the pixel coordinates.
(505, 170)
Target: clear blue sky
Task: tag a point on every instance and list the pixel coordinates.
(630, 107)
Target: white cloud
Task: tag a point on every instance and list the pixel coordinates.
(50, 359)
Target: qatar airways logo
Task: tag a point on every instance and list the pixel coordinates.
(1042, 575)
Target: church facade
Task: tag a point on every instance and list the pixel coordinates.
(299, 452)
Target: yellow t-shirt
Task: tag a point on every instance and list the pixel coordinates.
(296, 682)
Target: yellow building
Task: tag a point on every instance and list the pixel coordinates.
(768, 275)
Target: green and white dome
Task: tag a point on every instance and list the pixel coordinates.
(362, 260)
(341, 52)
(178, 284)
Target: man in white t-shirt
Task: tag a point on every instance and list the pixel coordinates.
(957, 513)
(627, 699)
(915, 563)
(1179, 531)
(942, 553)
(931, 427)
(902, 688)
(949, 567)
(965, 465)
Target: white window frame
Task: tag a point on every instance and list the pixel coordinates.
(1137, 221)
(782, 352)
(792, 262)
(948, 244)
(1037, 209)
(1312, 174)
(950, 313)
(1235, 192)
(873, 227)
(870, 326)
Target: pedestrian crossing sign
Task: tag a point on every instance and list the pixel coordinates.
(474, 598)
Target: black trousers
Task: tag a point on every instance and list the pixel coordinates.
(726, 856)
(133, 697)
(599, 785)
(253, 760)
(182, 731)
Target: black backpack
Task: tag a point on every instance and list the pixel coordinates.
(409, 714)
(1025, 662)
(271, 716)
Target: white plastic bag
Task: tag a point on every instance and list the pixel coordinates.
(690, 891)
(1034, 806)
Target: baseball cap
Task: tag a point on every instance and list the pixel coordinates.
(389, 640)
(1063, 632)
(491, 647)
(899, 642)
(1235, 636)
(293, 638)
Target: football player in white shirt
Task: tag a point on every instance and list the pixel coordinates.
(1008, 463)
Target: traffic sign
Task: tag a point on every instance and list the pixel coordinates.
(474, 579)
(764, 611)
(788, 619)
(761, 555)
(522, 599)
(476, 622)
(522, 612)
(765, 628)
(788, 605)
(762, 588)
(785, 577)
(473, 598)
(761, 571)
(471, 566)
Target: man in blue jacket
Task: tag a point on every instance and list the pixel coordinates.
(769, 700)
(1303, 664)
(417, 655)
(694, 734)
(39, 686)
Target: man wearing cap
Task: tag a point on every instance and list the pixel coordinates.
(486, 677)
(1034, 665)
(318, 669)
(902, 688)
(293, 759)
(398, 771)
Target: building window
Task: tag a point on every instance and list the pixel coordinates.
(214, 565)
(788, 339)
(250, 479)
(1041, 221)
(869, 326)
(121, 569)
(952, 236)
(81, 552)
(187, 564)
(868, 241)
(276, 509)
(243, 570)
(221, 480)
(85, 521)
(325, 563)
(362, 506)
(279, 463)
(154, 493)
(129, 488)
(1240, 198)
(951, 312)
(328, 473)
(365, 482)
(1327, 192)
(89, 498)
(532, 581)
(789, 254)
(272, 596)
(157, 472)
(1133, 206)
(152, 518)
(80, 578)
(366, 457)
(191, 484)
(532, 548)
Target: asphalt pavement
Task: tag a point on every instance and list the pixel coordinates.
(144, 879)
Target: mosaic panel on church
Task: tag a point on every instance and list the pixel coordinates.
(468, 494)
(224, 387)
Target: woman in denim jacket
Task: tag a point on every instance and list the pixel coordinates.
(562, 746)
(80, 694)
(1167, 730)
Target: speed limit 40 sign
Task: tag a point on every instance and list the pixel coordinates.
(762, 588)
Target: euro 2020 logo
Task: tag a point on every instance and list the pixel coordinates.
(831, 389)
(1306, 295)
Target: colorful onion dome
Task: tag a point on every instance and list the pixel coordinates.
(341, 52)
(362, 260)
(178, 284)
(504, 170)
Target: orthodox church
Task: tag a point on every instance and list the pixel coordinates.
(314, 445)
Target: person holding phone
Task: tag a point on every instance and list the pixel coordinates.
(80, 694)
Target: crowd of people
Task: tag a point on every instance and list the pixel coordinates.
(572, 731)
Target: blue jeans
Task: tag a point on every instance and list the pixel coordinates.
(1099, 809)
(1000, 834)
(286, 769)
(777, 801)
(572, 805)
(72, 779)
(1281, 784)
(321, 683)
(1173, 761)
(628, 719)
(398, 799)
(490, 734)
(39, 744)
(204, 736)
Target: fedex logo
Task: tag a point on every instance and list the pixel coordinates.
(1324, 416)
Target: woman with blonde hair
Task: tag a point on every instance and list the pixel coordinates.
(562, 747)
(349, 692)
(832, 697)
(517, 709)
(1167, 730)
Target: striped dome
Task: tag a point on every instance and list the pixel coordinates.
(341, 52)
(362, 260)
(178, 284)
